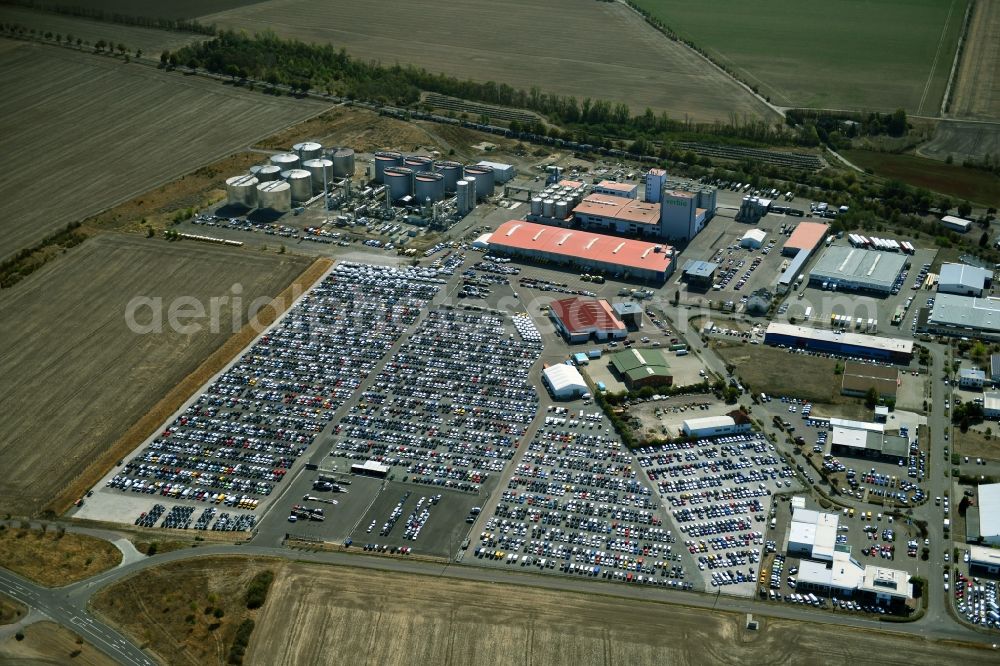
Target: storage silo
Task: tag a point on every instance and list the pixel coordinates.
(471, 193)
(418, 163)
(452, 172)
(548, 207)
(268, 172)
(308, 150)
(536, 205)
(399, 180)
(383, 160)
(300, 180)
(428, 186)
(343, 163)
(562, 209)
(255, 168)
(275, 195)
(485, 179)
(242, 191)
(315, 168)
(462, 190)
(286, 161)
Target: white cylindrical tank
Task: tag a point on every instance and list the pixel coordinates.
(418, 163)
(428, 185)
(452, 172)
(549, 207)
(471, 193)
(485, 179)
(462, 189)
(315, 168)
(300, 181)
(242, 191)
(308, 150)
(562, 209)
(385, 159)
(536, 205)
(286, 161)
(275, 195)
(255, 168)
(399, 180)
(268, 172)
(343, 163)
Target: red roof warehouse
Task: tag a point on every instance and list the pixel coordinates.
(579, 319)
(589, 251)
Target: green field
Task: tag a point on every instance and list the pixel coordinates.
(837, 54)
(955, 181)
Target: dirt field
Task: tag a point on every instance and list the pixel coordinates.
(48, 643)
(152, 42)
(187, 613)
(975, 444)
(587, 49)
(66, 110)
(962, 141)
(72, 357)
(973, 185)
(53, 558)
(812, 379)
(10, 610)
(977, 86)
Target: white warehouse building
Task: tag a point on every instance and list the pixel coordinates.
(753, 239)
(964, 280)
(564, 381)
(714, 426)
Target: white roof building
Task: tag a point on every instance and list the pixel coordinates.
(991, 404)
(753, 238)
(985, 558)
(709, 426)
(813, 534)
(483, 242)
(989, 513)
(963, 280)
(843, 576)
(565, 381)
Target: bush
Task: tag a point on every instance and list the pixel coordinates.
(257, 591)
(240, 642)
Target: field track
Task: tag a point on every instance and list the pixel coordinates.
(89, 131)
(977, 91)
(76, 377)
(567, 47)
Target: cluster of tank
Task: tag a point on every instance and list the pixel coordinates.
(293, 177)
(556, 201)
(419, 177)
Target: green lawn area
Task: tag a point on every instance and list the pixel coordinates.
(955, 181)
(838, 54)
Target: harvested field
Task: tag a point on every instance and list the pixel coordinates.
(839, 55)
(963, 141)
(813, 379)
(151, 41)
(976, 186)
(10, 610)
(977, 84)
(187, 612)
(590, 49)
(72, 356)
(55, 558)
(175, 9)
(49, 643)
(68, 111)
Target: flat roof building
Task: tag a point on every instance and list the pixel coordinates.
(627, 190)
(964, 280)
(956, 223)
(868, 443)
(991, 405)
(501, 172)
(971, 378)
(843, 576)
(895, 350)
(961, 316)
(699, 273)
(641, 367)
(564, 381)
(807, 236)
(995, 368)
(370, 468)
(855, 269)
(984, 560)
(860, 377)
(716, 426)
(989, 513)
(630, 314)
(580, 319)
(652, 262)
(813, 534)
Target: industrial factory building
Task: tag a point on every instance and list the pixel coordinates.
(716, 426)
(637, 368)
(894, 350)
(859, 378)
(587, 251)
(626, 190)
(861, 439)
(630, 313)
(961, 316)
(806, 236)
(503, 172)
(964, 280)
(813, 534)
(699, 273)
(843, 268)
(581, 319)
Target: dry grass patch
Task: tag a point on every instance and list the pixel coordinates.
(976, 444)
(777, 372)
(11, 610)
(49, 643)
(54, 558)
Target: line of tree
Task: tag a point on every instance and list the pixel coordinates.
(175, 25)
(832, 127)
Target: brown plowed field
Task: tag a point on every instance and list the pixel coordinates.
(590, 49)
(977, 87)
(83, 132)
(75, 377)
